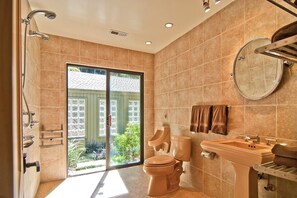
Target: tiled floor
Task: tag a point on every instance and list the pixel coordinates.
(128, 182)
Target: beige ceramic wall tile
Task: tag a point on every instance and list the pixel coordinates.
(196, 56)
(286, 122)
(182, 62)
(197, 76)
(232, 15)
(182, 80)
(232, 40)
(88, 61)
(105, 52)
(49, 98)
(50, 118)
(148, 59)
(227, 67)
(212, 186)
(230, 94)
(69, 46)
(283, 18)
(236, 120)
(213, 72)
(195, 96)
(172, 67)
(196, 159)
(50, 61)
(182, 44)
(288, 188)
(135, 58)
(260, 120)
(286, 93)
(256, 7)
(212, 26)
(183, 116)
(212, 94)
(271, 100)
(52, 45)
(263, 25)
(181, 100)
(121, 55)
(196, 178)
(165, 70)
(88, 50)
(67, 59)
(227, 190)
(197, 35)
(212, 49)
(50, 80)
(212, 166)
(228, 172)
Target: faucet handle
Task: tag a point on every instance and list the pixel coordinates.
(270, 141)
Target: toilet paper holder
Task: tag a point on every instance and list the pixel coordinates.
(207, 154)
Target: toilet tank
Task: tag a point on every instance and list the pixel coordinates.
(181, 147)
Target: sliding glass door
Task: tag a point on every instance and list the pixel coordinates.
(105, 119)
(125, 118)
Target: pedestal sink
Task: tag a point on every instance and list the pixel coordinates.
(243, 156)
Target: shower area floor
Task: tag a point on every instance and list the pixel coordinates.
(127, 182)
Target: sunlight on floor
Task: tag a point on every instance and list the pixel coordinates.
(110, 185)
(127, 182)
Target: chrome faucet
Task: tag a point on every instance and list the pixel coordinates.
(255, 139)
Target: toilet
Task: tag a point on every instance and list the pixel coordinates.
(165, 170)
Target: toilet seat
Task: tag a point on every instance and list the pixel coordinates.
(160, 160)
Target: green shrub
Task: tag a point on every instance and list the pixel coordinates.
(126, 147)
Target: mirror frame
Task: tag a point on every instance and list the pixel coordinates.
(278, 80)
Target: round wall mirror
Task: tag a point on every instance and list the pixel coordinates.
(256, 75)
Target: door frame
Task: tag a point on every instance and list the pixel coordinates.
(108, 71)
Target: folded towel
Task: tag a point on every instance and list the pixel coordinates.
(285, 32)
(195, 118)
(290, 162)
(204, 119)
(285, 151)
(219, 119)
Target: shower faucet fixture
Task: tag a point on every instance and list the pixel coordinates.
(38, 34)
(47, 14)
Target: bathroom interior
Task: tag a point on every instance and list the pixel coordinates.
(195, 63)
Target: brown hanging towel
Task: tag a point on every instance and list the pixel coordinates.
(219, 119)
(195, 118)
(204, 119)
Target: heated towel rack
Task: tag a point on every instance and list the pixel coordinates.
(270, 168)
(51, 138)
(285, 49)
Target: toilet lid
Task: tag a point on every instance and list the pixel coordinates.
(159, 160)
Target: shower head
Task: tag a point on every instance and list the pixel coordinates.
(38, 34)
(48, 14)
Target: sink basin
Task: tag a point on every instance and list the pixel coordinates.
(243, 156)
(239, 151)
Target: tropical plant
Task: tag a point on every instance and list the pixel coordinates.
(74, 153)
(127, 145)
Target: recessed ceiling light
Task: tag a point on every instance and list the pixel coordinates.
(148, 42)
(168, 25)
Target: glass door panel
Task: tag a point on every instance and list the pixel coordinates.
(125, 118)
(86, 91)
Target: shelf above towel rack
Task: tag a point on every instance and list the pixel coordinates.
(285, 49)
(270, 168)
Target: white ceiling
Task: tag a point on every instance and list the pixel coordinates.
(143, 20)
